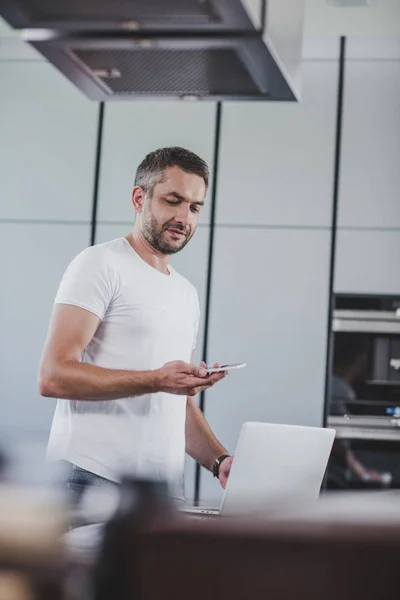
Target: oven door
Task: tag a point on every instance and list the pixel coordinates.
(366, 453)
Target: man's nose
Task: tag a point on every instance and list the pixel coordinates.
(182, 214)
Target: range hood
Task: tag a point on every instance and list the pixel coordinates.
(109, 66)
(136, 49)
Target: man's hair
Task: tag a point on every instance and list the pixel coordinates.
(151, 169)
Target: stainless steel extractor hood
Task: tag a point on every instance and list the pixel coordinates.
(136, 49)
(123, 66)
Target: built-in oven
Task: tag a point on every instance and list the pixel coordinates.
(364, 392)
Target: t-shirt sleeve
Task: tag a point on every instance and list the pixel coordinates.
(88, 282)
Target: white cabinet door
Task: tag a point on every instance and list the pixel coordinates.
(367, 262)
(370, 156)
(35, 257)
(12, 47)
(47, 145)
(134, 129)
(277, 158)
(269, 309)
(6, 30)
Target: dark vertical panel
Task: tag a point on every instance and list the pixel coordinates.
(97, 174)
(338, 146)
(263, 14)
(218, 117)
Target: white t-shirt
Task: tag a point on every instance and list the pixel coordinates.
(147, 320)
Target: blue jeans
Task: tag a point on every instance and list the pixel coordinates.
(79, 481)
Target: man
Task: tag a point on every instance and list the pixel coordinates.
(119, 347)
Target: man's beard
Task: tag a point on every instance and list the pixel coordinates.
(154, 235)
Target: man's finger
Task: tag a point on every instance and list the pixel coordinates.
(217, 376)
(198, 371)
(199, 384)
(202, 384)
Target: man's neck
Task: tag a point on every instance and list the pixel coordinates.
(147, 252)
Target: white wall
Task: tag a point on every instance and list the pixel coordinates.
(47, 152)
(377, 17)
(368, 243)
(34, 255)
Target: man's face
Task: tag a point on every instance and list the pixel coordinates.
(169, 217)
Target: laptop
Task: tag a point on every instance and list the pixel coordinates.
(273, 465)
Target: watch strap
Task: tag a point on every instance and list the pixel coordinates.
(217, 463)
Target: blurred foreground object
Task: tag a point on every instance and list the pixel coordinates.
(286, 556)
(144, 507)
(31, 523)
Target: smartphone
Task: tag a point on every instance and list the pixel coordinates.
(226, 368)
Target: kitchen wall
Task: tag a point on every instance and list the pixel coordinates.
(368, 244)
(271, 237)
(47, 157)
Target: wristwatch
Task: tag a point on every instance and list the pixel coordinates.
(217, 463)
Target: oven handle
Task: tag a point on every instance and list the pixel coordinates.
(367, 315)
(364, 326)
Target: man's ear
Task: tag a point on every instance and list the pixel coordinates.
(138, 196)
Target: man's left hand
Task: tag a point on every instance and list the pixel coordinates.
(224, 470)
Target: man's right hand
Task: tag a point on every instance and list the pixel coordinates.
(184, 379)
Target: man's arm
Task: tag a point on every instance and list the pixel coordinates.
(62, 375)
(201, 443)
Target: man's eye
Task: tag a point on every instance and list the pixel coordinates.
(195, 209)
(172, 202)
